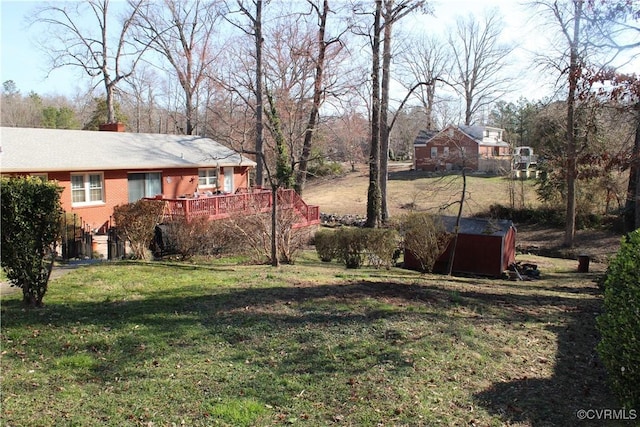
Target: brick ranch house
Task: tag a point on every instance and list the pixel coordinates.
(481, 148)
(99, 170)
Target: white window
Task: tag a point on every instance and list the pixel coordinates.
(207, 178)
(87, 189)
(446, 151)
(434, 152)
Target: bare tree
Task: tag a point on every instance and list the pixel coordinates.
(373, 191)
(19, 110)
(392, 13)
(425, 59)
(615, 28)
(322, 44)
(567, 18)
(181, 31)
(141, 101)
(479, 59)
(94, 48)
(252, 11)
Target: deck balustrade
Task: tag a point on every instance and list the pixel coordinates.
(254, 201)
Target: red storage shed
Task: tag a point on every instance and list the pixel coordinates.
(485, 247)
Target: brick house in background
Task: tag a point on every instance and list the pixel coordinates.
(481, 148)
(100, 170)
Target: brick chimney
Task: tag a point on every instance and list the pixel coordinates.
(112, 127)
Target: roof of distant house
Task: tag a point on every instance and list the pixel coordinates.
(477, 133)
(424, 136)
(474, 132)
(44, 150)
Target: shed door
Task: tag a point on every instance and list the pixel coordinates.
(228, 180)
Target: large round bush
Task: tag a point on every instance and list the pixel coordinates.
(619, 325)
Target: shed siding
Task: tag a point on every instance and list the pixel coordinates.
(475, 254)
(482, 254)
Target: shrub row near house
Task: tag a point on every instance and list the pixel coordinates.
(420, 233)
(196, 237)
(141, 223)
(619, 325)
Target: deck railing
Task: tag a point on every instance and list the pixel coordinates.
(228, 205)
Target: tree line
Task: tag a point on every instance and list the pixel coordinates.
(325, 69)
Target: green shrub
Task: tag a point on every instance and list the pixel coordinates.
(325, 244)
(425, 237)
(619, 325)
(350, 246)
(353, 246)
(136, 222)
(381, 245)
(31, 212)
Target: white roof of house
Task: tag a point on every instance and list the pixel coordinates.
(48, 150)
(477, 133)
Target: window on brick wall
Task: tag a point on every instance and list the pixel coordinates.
(144, 184)
(434, 152)
(207, 178)
(87, 189)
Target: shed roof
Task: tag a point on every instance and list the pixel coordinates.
(479, 226)
(44, 150)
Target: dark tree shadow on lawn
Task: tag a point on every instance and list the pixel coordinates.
(579, 381)
(237, 315)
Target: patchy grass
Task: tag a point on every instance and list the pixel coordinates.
(309, 344)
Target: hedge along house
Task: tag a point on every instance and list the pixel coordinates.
(99, 170)
(485, 247)
(479, 148)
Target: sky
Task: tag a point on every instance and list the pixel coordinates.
(23, 62)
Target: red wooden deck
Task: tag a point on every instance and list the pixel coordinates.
(250, 202)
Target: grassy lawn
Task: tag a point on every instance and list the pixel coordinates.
(348, 194)
(310, 344)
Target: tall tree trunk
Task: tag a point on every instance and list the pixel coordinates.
(384, 111)
(467, 111)
(275, 261)
(259, 124)
(111, 110)
(188, 108)
(570, 228)
(373, 193)
(632, 205)
(456, 230)
(301, 176)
